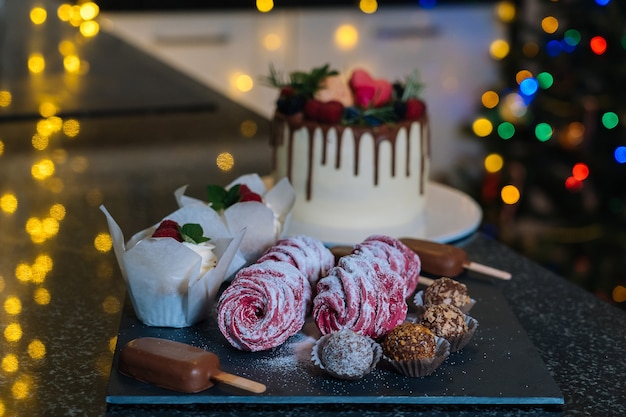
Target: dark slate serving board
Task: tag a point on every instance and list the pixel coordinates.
(500, 366)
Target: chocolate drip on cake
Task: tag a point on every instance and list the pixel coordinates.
(380, 134)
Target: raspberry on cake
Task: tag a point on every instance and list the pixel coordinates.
(348, 163)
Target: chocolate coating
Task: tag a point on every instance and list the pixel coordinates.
(446, 291)
(445, 321)
(168, 364)
(438, 258)
(409, 341)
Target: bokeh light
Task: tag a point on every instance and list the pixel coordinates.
(38, 15)
(482, 127)
(543, 132)
(505, 10)
(36, 63)
(510, 194)
(620, 154)
(598, 45)
(573, 184)
(368, 6)
(610, 120)
(225, 161)
(8, 203)
(499, 49)
(264, 6)
(529, 86)
(545, 80)
(580, 171)
(5, 98)
(506, 130)
(272, 42)
(490, 99)
(346, 37)
(493, 163)
(572, 37)
(103, 242)
(549, 24)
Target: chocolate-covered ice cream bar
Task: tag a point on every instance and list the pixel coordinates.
(177, 366)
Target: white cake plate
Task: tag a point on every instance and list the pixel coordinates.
(450, 215)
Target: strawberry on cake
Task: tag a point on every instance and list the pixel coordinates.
(356, 150)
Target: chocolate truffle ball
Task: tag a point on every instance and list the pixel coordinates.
(445, 321)
(409, 341)
(446, 291)
(347, 354)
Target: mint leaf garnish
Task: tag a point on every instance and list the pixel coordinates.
(193, 233)
(221, 198)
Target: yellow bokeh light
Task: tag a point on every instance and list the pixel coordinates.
(89, 29)
(43, 263)
(243, 82)
(38, 15)
(13, 332)
(346, 37)
(490, 99)
(20, 389)
(48, 109)
(493, 163)
(264, 6)
(111, 305)
(42, 296)
(66, 48)
(103, 242)
(510, 194)
(64, 12)
(248, 128)
(482, 127)
(74, 16)
(36, 349)
(50, 226)
(36, 63)
(5, 98)
(225, 161)
(40, 142)
(272, 42)
(23, 272)
(499, 49)
(49, 125)
(1, 147)
(505, 10)
(89, 10)
(368, 6)
(549, 24)
(43, 169)
(71, 128)
(13, 305)
(57, 211)
(71, 63)
(10, 363)
(8, 203)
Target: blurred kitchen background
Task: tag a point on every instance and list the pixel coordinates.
(527, 98)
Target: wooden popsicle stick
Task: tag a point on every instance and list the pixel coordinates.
(239, 382)
(487, 270)
(425, 281)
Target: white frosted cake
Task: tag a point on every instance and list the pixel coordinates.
(359, 173)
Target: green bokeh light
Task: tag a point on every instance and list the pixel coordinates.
(543, 132)
(610, 120)
(572, 37)
(506, 130)
(545, 80)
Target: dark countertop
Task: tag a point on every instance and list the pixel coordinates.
(62, 298)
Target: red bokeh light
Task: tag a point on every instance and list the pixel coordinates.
(580, 171)
(598, 45)
(573, 185)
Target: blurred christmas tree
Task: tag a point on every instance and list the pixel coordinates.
(555, 175)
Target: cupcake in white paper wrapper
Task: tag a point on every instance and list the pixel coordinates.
(345, 354)
(172, 283)
(265, 221)
(413, 350)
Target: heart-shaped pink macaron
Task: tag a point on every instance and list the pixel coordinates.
(369, 92)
